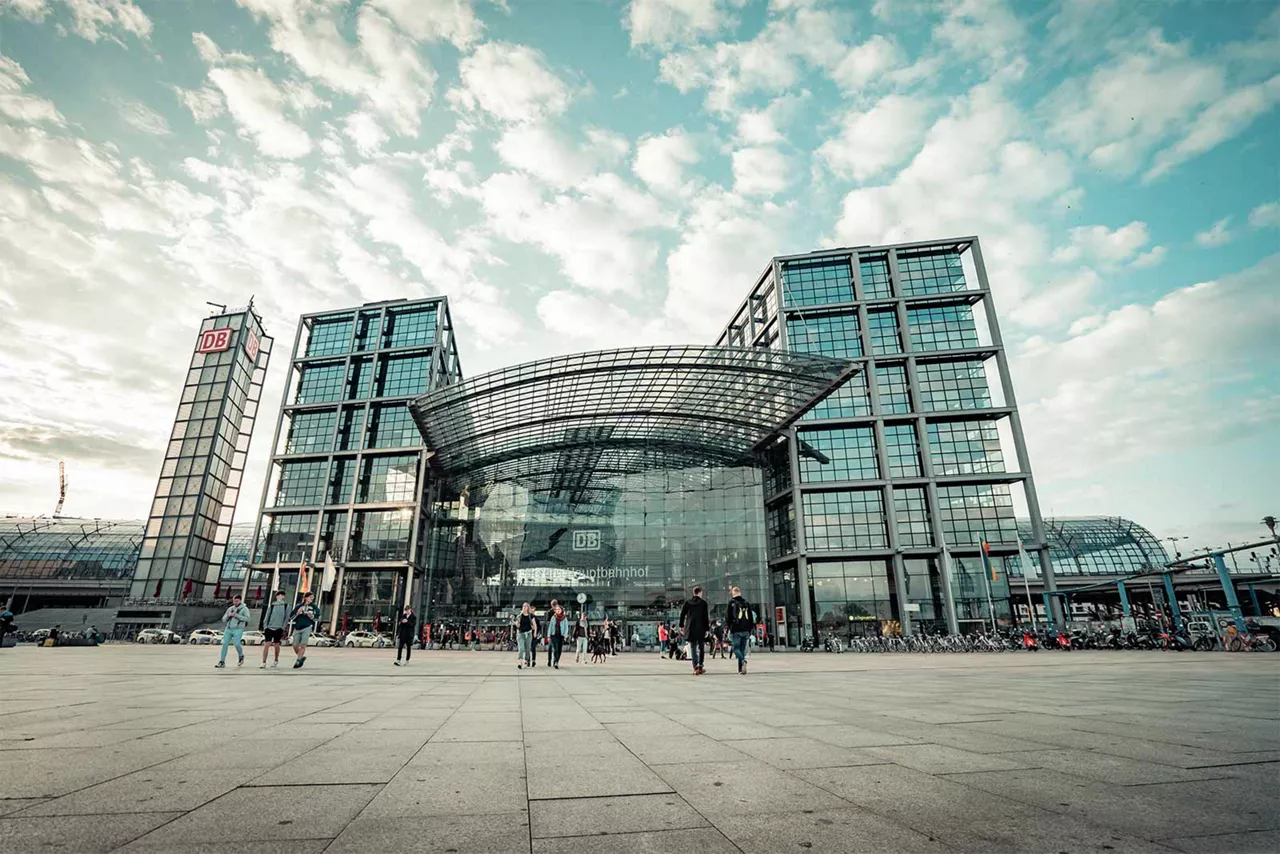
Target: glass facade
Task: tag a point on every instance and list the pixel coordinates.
(185, 540)
(910, 457)
(1105, 546)
(347, 478)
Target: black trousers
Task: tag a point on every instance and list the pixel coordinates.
(404, 645)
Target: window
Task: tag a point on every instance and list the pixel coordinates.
(825, 334)
(310, 432)
(391, 426)
(875, 277)
(891, 380)
(849, 594)
(965, 447)
(301, 483)
(844, 521)
(319, 383)
(953, 385)
(329, 336)
(931, 273)
(850, 400)
(367, 332)
(358, 378)
(288, 535)
(817, 282)
(776, 470)
(402, 376)
(911, 512)
(973, 512)
(780, 528)
(903, 450)
(884, 332)
(410, 327)
(841, 453)
(381, 535)
(341, 480)
(389, 479)
(945, 327)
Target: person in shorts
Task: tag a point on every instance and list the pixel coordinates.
(274, 618)
(305, 617)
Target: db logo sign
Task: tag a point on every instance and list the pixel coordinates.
(214, 341)
(251, 346)
(586, 541)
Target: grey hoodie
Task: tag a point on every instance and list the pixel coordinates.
(277, 615)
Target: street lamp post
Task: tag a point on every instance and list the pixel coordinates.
(1173, 543)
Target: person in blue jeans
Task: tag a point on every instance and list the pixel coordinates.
(526, 626)
(557, 631)
(234, 621)
(741, 624)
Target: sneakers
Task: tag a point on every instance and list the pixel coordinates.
(241, 664)
(396, 662)
(302, 661)
(275, 663)
(219, 664)
(262, 666)
(519, 665)
(556, 666)
(297, 662)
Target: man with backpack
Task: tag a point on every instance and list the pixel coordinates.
(695, 618)
(740, 624)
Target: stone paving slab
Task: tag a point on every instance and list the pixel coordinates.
(124, 748)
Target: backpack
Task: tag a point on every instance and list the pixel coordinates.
(740, 616)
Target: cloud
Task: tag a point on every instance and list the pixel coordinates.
(141, 117)
(661, 161)
(539, 150)
(760, 172)
(205, 103)
(873, 140)
(1060, 300)
(1151, 258)
(1121, 110)
(50, 443)
(867, 62)
(510, 82)
(1265, 215)
(981, 29)
(1219, 234)
(364, 130)
(795, 37)
(1099, 244)
(764, 126)
(258, 107)
(665, 23)
(453, 21)
(22, 106)
(1223, 120)
(93, 19)
(583, 320)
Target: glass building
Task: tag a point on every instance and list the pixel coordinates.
(1092, 547)
(184, 544)
(619, 478)
(348, 474)
(878, 502)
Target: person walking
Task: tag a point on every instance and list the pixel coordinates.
(740, 624)
(6, 624)
(274, 618)
(557, 631)
(546, 634)
(526, 626)
(662, 640)
(406, 627)
(234, 620)
(305, 618)
(581, 632)
(695, 619)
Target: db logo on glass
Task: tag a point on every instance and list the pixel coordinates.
(586, 541)
(214, 341)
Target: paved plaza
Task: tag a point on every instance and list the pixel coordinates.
(149, 749)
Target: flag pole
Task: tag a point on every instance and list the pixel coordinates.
(1026, 570)
(987, 572)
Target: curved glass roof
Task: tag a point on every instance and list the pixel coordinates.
(1099, 545)
(567, 421)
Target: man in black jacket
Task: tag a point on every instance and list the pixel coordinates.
(695, 620)
(406, 628)
(741, 623)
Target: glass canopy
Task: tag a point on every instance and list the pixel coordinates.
(568, 422)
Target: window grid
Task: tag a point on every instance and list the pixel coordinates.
(875, 277)
(817, 283)
(902, 449)
(850, 400)
(825, 334)
(391, 426)
(780, 529)
(301, 483)
(845, 520)
(931, 273)
(965, 447)
(391, 478)
(402, 376)
(883, 326)
(410, 327)
(850, 454)
(953, 385)
(319, 383)
(947, 327)
(310, 432)
(330, 336)
(911, 513)
(895, 396)
(971, 513)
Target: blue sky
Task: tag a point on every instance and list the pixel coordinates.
(584, 174)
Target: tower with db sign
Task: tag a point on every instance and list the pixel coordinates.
(190, 518)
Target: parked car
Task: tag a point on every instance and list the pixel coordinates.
(362, 638)
(205, 636)
(321, 640)
(254, 638)
(39, 635)
(158, 636)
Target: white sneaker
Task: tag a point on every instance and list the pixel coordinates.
(275, 663)
(262, 666)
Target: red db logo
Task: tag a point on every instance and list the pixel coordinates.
(214, 341)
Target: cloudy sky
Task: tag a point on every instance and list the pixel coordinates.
(601, 172)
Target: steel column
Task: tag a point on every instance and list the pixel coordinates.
(1229, 589)
(1169, 593)
(1124, 599)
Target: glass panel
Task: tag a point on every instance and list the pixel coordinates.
(817, 282)
(953, 385)
(825, 334)
(945, 327)
(931, 273)
(840, 453)
(875, 277)
(844, 521)
(891, 381)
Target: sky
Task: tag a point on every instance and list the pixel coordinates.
(578, 174)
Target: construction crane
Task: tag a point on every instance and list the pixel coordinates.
(62, 488)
